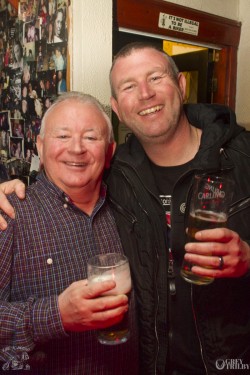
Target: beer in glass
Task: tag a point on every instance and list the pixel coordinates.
(112, 266)
(208, 210)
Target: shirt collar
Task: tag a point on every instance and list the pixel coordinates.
(50, 187)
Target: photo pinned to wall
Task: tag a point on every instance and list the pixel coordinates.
(5, 121)
(29, 52)
(15, 79)
(27, 10)
(31, 31)
(18, 168)
(57, 56)
(16, 147)
(41, 56)
(61, 85)
(4, 142)
(59, 31)
(30, 136)
(17, 127)
(17, 54)
(35, 127)
(50, 83)
(29, 153)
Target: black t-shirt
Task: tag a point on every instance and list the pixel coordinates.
(184, 347)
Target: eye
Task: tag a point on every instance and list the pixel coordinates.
(128, 87)
(90, 138)
(155, 78)
(62, 136)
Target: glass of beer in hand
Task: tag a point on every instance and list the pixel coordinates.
(208, 210)
(112, 266)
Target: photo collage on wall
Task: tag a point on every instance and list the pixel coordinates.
(33, 63)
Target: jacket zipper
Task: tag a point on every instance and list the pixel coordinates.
(157, 255)
(239, 206)
(124, 213)
(171, 274)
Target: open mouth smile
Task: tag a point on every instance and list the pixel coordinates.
(151, 110)
(73, 164)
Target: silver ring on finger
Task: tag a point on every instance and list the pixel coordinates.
(221, 264)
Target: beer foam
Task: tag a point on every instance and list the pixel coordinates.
(122, 280)
(210, 215)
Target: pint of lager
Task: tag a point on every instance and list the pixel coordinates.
(208, 210)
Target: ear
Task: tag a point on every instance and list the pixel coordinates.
(115, 106)
(39, 146)
(109, 154)
(182, 85)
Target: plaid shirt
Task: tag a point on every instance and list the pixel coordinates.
(42, 252)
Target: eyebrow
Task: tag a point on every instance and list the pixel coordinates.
(152, 71)
(68, 127)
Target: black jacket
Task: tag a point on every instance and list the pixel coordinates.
(221, 309)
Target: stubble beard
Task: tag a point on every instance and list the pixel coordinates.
(160, 137)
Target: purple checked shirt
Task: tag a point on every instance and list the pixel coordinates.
(42, 252)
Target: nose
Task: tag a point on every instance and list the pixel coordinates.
(145, 91)
(77, 146)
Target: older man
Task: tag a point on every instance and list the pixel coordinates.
(48, 313)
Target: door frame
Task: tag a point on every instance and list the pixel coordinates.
(199, 61)
(224, 34)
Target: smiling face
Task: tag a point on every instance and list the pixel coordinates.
(58, 24)
(148, 99)
(74, 149)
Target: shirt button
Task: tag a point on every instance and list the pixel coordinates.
(65, 205)
(49, 261)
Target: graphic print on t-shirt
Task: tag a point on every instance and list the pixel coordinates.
(166, 202)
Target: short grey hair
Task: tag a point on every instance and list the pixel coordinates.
(129, 48)
(81, 98)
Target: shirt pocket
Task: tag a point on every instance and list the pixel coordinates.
(48, 273)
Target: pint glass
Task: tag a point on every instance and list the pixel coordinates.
(208, 210)
(112, 266)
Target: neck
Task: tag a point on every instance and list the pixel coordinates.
(180, 148)
(85, 198)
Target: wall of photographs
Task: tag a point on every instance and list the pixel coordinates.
(33, 63)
